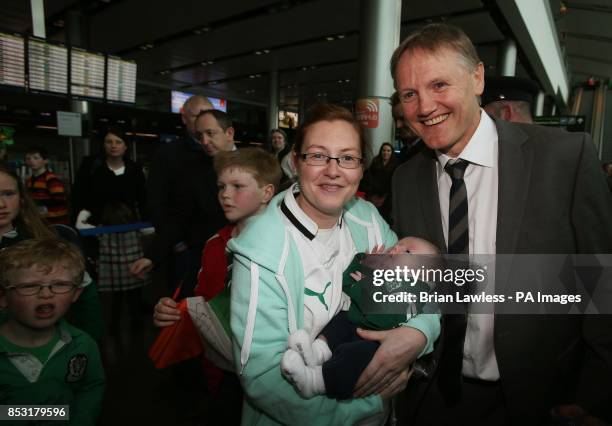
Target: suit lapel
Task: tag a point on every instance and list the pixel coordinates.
(430, 201)
(515, 160)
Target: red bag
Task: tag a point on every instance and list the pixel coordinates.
(177, 342)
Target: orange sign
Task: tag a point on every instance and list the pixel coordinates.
(367, 112)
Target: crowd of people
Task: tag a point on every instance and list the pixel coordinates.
(268, 245)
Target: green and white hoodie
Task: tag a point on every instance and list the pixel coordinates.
(271, 299)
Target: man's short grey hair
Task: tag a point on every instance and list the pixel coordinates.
(433, 37)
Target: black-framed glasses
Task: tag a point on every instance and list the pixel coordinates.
(320, 159)
(32, 289)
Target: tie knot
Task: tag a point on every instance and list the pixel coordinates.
(456, 169)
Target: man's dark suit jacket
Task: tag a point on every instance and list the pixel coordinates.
(551, 199)
(182, 194)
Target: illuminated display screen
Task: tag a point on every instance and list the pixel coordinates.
(86, 73)
(12, 60)
(47, 67)
(120, 80)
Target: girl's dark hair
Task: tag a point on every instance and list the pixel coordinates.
(378, 162)
(28, 221)
(330, 112)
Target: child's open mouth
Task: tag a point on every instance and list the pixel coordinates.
(45, 311)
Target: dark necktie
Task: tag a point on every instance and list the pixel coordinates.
(451, 360)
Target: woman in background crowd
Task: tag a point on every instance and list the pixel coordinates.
(282, 150)
(377, 180)
(110, 190)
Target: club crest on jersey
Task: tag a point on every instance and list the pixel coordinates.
(77, 365)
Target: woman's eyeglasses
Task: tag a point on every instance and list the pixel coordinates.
(320, 159)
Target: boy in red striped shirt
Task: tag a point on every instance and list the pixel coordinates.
(45, 188)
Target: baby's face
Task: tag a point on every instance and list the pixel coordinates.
(44, 309)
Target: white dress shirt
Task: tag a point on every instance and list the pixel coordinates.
(481, 182)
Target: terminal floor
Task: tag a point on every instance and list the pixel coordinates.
(137, 393)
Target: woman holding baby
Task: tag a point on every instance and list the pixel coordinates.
(297, 348)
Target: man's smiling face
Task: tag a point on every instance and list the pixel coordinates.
(438, 94)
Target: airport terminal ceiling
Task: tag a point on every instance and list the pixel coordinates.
(227, 48)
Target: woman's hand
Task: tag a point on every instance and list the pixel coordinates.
(397, 385)
(141, 267)
(390, 368)
(165, 312)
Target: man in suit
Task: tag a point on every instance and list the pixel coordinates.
(195, 214)
(168, 161)
(517, 188)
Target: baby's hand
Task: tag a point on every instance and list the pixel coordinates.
(357, 276)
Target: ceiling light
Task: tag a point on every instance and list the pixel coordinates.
(259, 52)
(210, 62)
(266, 51)
(212, 83)
(341, 36)
(329, 38)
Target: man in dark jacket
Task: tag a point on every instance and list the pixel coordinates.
(191, 213)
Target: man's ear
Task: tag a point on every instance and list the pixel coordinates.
(505, 112)
(269, 191)
(479, 79)
(77, 294)
(230, 133)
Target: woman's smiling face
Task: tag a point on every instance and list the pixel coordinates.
(325, 189)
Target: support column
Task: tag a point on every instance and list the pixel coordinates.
(379, 36)
(539, 105)
(506, 62)
(76, 35)
(273, 101)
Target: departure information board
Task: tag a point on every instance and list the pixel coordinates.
(47, 67)
(86, 73)
(120, 80)
(12, 60)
